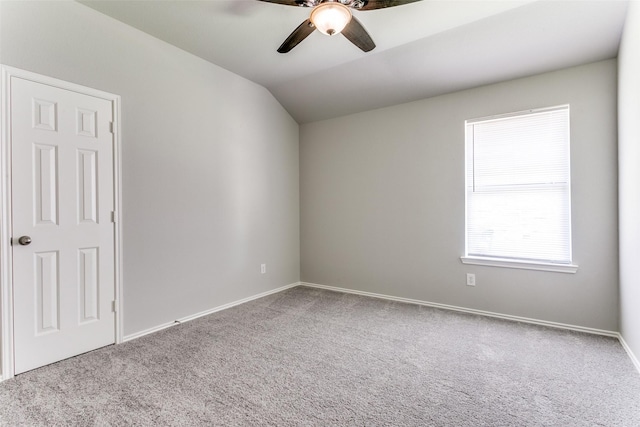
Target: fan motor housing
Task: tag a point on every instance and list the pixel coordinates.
(354, 4)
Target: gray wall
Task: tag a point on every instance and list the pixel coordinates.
(382, 201)
(629, 164)
(209, 154)
(210, 161)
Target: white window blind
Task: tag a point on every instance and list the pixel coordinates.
(518, 187)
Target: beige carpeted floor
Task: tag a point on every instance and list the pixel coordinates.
(309, 357)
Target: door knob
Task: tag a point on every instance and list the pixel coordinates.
(24, 240)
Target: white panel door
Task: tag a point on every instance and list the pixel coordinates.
(63, 196)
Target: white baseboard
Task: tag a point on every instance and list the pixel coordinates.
(632, 356)
(158, 328)
(148, 331)
(233, 304)
(469, 310)
(206, 312)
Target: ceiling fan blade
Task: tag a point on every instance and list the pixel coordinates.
(304, 3)
(381, 4)
(356, 34)
(297, 36)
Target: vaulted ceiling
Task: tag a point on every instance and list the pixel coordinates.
(424, 49)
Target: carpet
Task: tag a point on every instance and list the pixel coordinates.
(311, 357)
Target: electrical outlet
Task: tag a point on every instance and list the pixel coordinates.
(263, 268)
(471, 279)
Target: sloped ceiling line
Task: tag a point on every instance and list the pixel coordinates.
(423, 49)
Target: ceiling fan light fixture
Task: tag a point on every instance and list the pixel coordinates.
(330, 18)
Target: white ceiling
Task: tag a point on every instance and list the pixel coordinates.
(423, 49)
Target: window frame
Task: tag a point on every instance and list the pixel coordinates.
(518, 263)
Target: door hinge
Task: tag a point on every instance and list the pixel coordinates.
(114, 216)
(111, 127)
(114, 306)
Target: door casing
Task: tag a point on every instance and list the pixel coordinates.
(6, 262)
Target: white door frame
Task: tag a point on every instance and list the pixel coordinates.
(6, 262)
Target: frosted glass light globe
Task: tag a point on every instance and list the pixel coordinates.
(330, 18)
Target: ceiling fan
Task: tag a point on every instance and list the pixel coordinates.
(332, 17)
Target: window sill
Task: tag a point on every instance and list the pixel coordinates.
(526, 265)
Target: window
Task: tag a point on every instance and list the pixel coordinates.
(518, 190)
